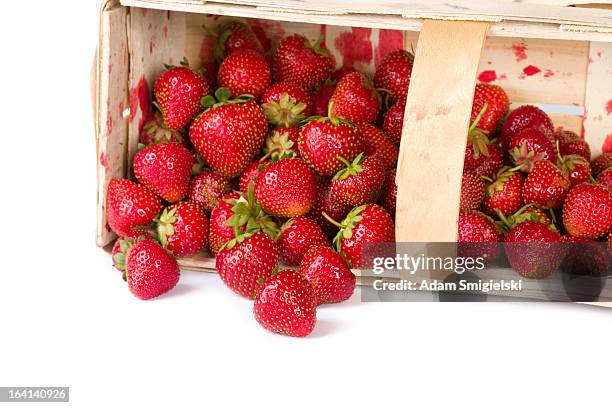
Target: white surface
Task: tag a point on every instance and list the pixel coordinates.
(67, 319)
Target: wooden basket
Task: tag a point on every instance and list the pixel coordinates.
(541, 53)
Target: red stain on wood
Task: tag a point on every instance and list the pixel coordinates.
(151, 47)
(140, 97)
(443, 110)
(599, 54)
(355, 46)
(519, 50)
(104, 160)
(489, 62)
(121, 108)
(143, 11)
(150, 27)
(607, 144)
(388, 41)
(109, 124)
(165, 31)
(609, 107)
(548, 73)
(110, 68)
(502, 77)
(531, 70)
(487, 76)
(265, 30)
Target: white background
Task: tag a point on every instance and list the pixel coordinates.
(67, 319)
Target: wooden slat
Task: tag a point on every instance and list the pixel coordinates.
(598, 105)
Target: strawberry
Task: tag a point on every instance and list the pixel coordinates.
(130, 205)
(587, 211)
(505, 192)
(328, 274)
(298, 61)
(155, 131)
(497, 104)
(600, 163)
(287, 188)
(183, 229)
(472, 191)
(245, 262)
(393, 74)
(546, 185)
(366, 224)
(565, 136)
(355, 99)
(245, 72)
(605, 178)
(123, 245)
(388, 197)
(585, 257)
(165, 169)
(570, 143)
(360, 182)
(281, 143)
(286, 304)
(220, 231)
(323, 140)
(491, 163)
(235, 35)
(250, 174)
(524, 117)
(533, 249)
(178, 91)
(207, 188)
(529, 146)
(297, 236)
(320, 99)
(324, 203)
(477, 146)
(149, 270)
(378, 145)
(394, 122)
(478, 236)
(575, 167)
(229, 133)
(286, 104)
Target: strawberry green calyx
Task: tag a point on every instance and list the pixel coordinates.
(125, 244)
(529, 212)
(352, 169)
(502, 177)
(184, 63)
(346, 226)
(249, 215)
(317, 46)
(165, 226)
(526, 158)
(222, 97)
(334, 120)
(240, 238)
(284, 112)
(477, 137)
(278, 146)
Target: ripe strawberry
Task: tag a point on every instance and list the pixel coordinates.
(178, 91)
(529, 146)
(360, 182)
(523, 117)
(605, 178)
(565, 136)
(394, 122)
(165, 169)
(576, 168)
(533, 249)
(245, 72)
(123, 244)
(505, 192)
(234, 36)
(286, 305)
(183, 229)
(328, 274)
(246, 262)
(477, 146)
(287, 188)
(491, 163)
(320, 99)
(378, 145)
(150, 270)
(323, 140)
(250, 174)
(587, 211)
(155, 131)
(478, 236)
(229, 133)
(369, 223)
(286, 104)
(472, 191)
(298, 61)
(324, 203)
(207, 188)
(282, 143)
(130, 205)
(220, 231)
(570, 143)
(388, 197)
(546, 185)
(497, 102)
(600, 163)
(297, 236)
(355, 99)
(393, 74)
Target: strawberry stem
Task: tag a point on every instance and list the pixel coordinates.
(478, 118)
(332, 221)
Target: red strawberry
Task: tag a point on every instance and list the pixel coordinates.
(497, 103)
(605, 178)
(355, 99)
(524, 117)
(566, 136)
(546, 185)
(130, 205)
(360, 182)
(472, 191)
(394, 122)
(368, 223)
(491, 163)
(570, 143)
(576, 168)
(378, 145)
(220, 231)
(165, 169)
(320, 99)
(234, 36)
(155, 131)
(533, 249)
(286, 104)
(123, 245)
(324, 203)
(178, 91)
(282, 143)
(207, 188)
(250, 174)
(323, 140)
(246, 262)
(529, 146)
(393, 74)
(478, 236)
(150, 270)
(587, 211)
(245, 72)
(229, 134)
(287, 188)
(505, 192)
(328, 274)
(298, 61)
(183, 229)
(286, 305)
(477, 146)
(601, 163)
(388, 197)
(297, 236)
